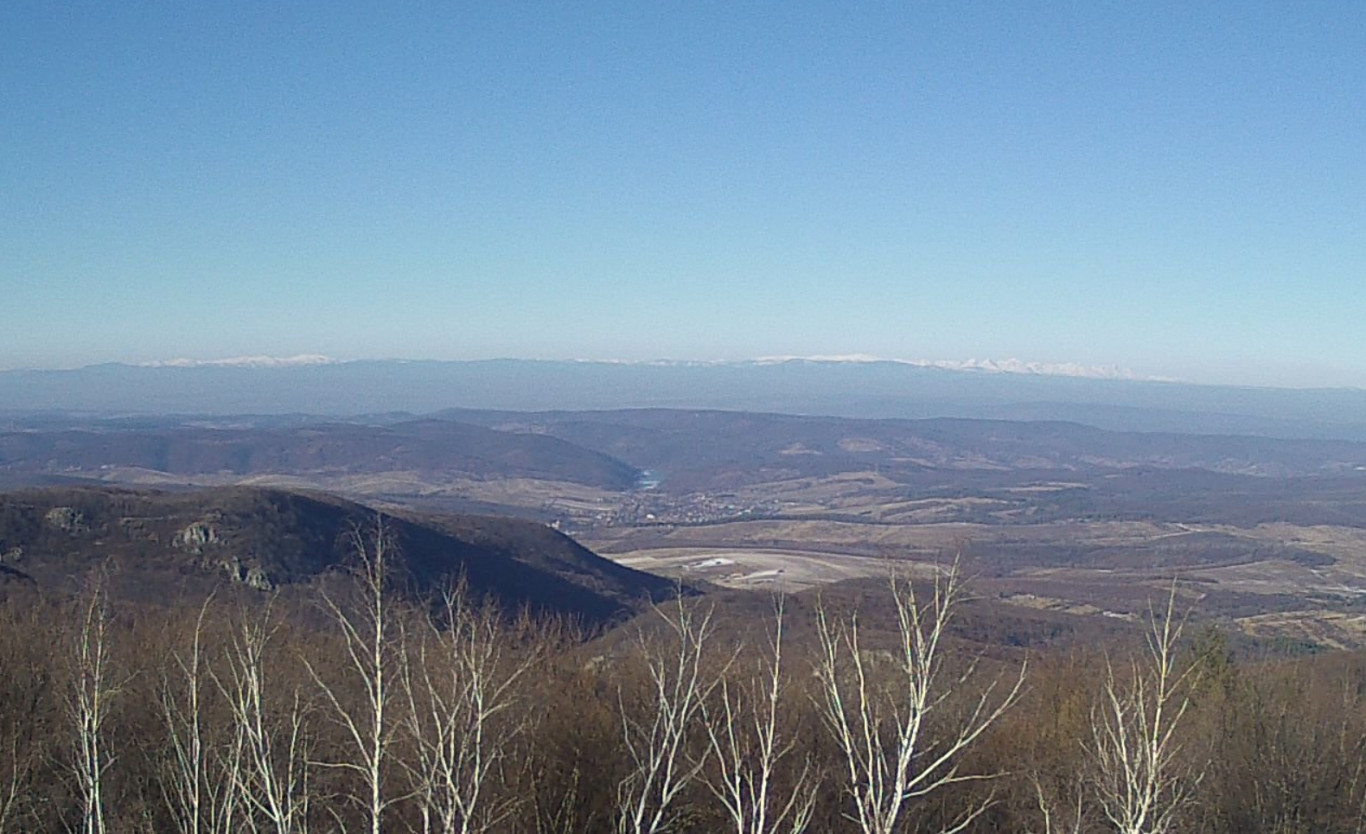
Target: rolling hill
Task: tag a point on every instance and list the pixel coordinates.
(314, 448)
(154, 544)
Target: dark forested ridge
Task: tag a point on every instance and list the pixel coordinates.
(153, 543)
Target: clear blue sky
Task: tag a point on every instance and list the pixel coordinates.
(1178, 188)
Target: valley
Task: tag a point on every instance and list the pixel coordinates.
(1267, 535)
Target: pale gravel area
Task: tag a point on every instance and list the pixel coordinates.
(762, 569)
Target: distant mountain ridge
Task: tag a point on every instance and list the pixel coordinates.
(543, 464)
(455, 449)
(868, 389)
(243, 362)
(707, 446)
(1005, 366)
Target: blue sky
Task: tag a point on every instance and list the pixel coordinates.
(1176, 188)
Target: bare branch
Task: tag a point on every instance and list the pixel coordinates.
(367, 632)
(88, 701)
(457, 688)
(744, 739)
(1053, 821)
(1139, 782)
(658, 767)
(267, 761)
(879, 718)
(12, 789)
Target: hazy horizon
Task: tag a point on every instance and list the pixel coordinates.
(1170, 189)
(1006, 365)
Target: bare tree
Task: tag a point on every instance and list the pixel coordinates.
(12, 788)
(368, 635)
(562, 816)
(1058, 818)
(457, 688)
(267, 764)
(880, 718)
(88, 700)
(199, 789)
(1140, 783)
(26, 722)
(658, 765)
(747, 744)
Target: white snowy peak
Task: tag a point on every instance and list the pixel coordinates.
(992, 366)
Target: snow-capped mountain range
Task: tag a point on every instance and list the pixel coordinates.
(850, 386)
(993, 366)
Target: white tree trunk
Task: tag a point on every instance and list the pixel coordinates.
(655, 743)
(88, 707)
(13, 782)
(879, 718)
(746, 741)
(367, 632)
(267, 763)
(199, 790)
(1139, 782)
(458, 687)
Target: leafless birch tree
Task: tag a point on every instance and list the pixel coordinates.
(1057, 817)
(13, 781)
(880, 717)
(657, 761)
(1140, 783)
(458, 687)
(26, 692)
(747, 744)
(368, 634)
(92, 688)
(199, 789)
(268, 763)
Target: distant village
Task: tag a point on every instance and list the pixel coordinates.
(651, 507)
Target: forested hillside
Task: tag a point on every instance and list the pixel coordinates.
(362, 710)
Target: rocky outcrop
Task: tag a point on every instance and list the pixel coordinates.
(196, 536)
(253, 576)
(67, 519)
